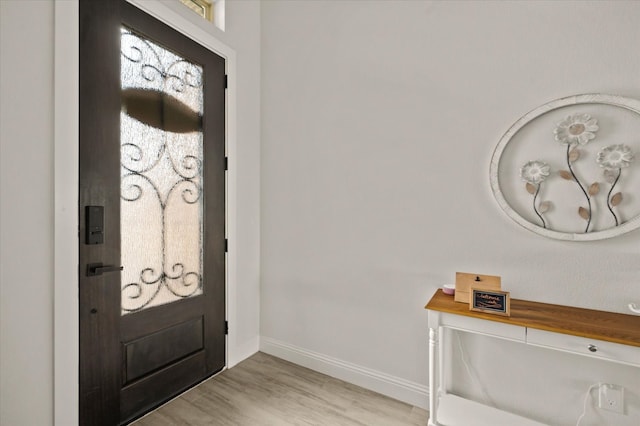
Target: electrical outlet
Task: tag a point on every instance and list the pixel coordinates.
(611, 397)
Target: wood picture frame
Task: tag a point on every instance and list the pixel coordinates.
(495, 302)
(465, 280)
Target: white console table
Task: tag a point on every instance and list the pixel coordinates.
(604, 335)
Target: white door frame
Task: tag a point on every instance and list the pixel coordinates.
(66, 169)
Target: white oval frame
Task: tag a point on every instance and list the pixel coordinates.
(618, 101)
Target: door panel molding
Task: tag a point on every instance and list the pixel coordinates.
(66, 169)
(189, 370)
(189, 337)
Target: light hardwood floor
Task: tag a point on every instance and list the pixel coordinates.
(268, 391)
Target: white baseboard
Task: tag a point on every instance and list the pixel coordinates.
(394, 387)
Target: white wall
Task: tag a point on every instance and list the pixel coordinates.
(379, 119)
(27, 216)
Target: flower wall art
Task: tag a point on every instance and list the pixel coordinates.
(568, 169)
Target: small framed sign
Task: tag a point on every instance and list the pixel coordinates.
(490, 301)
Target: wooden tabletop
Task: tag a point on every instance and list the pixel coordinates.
(601, 325)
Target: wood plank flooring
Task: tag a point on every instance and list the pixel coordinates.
(268, 391)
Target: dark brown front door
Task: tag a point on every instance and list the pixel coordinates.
(151, 213)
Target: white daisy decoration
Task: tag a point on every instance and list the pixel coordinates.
(534, 172)
(615, 157)
(578, 128)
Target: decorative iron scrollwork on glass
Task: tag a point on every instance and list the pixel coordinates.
(161, 175)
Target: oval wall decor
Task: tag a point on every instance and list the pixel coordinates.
(570, 169)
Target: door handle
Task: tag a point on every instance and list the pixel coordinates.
(94, 269)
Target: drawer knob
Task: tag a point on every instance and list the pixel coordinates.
(592, 348)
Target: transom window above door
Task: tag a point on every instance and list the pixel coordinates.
(211, 10)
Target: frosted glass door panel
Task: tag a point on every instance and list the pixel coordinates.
(161, 156)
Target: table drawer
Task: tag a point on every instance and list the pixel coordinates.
(615, 352)
(484, 327)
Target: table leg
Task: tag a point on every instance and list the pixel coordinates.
(433, 390)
